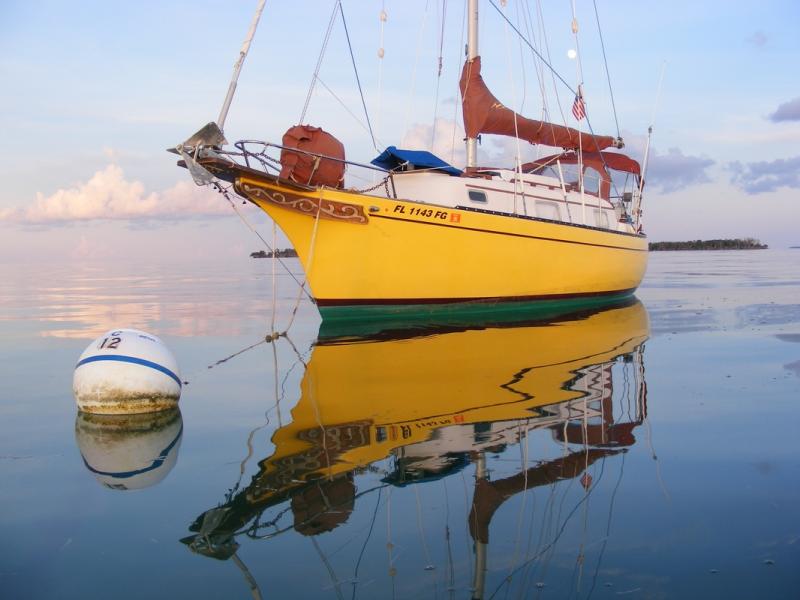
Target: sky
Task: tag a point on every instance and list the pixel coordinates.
(95, 91)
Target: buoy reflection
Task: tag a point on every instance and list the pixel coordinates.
(129, 452)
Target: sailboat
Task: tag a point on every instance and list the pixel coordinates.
(430, 235)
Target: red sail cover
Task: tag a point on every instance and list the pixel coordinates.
(483, 113)
(598, 160)
(307, 169)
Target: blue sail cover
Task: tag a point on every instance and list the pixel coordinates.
(393, 159)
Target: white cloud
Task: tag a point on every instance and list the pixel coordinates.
(107, 195)
(494, 150)
(447, 145)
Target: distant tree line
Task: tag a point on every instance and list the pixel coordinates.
(280, 253)
(736, 244)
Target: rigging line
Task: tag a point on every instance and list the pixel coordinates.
(579, 94)
(312, 245)
(605, 62)
(225, 193)
(389, 544)
(247, 458)
(274, 281)
(297, 353)
(535, 51)
(543, 60)
(344, 106)
(608, 528)
(266, 413)
(412, 91)
(366, 541)
(277, 395)
(421, 532)
(560, 530)
(336, 583)
(438, 75)
(383, 18)
(315, 76)
(527, 574)
(237, 353)
(522, 64)
(537, 67)
(546, 43)
(523, 456)
(548, 560)
(456, 104)
(518, 161)
(250, 531)
(358, 79)
(451, 574)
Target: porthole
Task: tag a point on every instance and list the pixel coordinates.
(476, 196)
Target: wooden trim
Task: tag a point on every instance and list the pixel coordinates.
(312, 207)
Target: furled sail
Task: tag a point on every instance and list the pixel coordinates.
(483, 113)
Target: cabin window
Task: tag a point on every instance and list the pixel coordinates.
(601, 219)
(571, 179)
(591, 180)
(476, 196)
(548, 210)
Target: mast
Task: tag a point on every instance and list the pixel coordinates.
(223, 113)
(472, 53)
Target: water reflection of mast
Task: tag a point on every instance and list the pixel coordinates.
(599, 439)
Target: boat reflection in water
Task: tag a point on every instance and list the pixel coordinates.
(436, 404)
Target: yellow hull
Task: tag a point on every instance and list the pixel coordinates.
(361, 250)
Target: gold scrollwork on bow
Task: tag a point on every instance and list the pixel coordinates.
(327, 209)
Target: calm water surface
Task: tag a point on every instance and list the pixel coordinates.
(650, 450)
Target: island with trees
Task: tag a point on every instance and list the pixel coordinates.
(280, 253)
(731, 244)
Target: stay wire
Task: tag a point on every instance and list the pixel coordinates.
(366, 541)
(549, 66)
(226, 194)
(438, 75)
(315, 76)
(605, 62)
(358, 80)
(534, 50)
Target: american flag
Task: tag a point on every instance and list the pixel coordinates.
(578, 107)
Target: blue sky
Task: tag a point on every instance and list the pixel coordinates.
(95, 91)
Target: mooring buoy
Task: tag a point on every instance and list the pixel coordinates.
(126, 371)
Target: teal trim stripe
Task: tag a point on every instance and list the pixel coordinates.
(132, 360)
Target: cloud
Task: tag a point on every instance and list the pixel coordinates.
(107, 195)
(759, 39)
(447, 145)
(675, 170)
(788, 111)
(766, 176)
